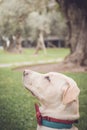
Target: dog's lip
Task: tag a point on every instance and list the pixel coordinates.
(31, 91)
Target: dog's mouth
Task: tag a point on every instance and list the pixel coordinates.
(32, 93)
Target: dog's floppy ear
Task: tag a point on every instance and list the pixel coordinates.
(71, 92)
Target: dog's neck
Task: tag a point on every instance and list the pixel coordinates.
(51, 127)
(59, 111)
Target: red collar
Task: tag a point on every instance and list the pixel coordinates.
(40, 118)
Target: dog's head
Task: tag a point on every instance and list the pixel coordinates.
(51, 87)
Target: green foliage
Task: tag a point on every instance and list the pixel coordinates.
(57, 24)
(11, 15)
(36, 22)
(17, 104)
(28, 55)
(29, 16)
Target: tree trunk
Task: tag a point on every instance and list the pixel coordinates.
(18, 43)
(4, 44)
(40, 43)
(75, 12)
(14, 45)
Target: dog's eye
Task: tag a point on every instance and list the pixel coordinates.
(48, 78)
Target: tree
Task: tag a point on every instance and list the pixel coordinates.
(29, 18)
(12, 22)
(39, 25)
(40, 42)
(75, 12)
(14, 17)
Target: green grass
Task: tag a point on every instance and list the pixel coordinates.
(17, 104)
(28, 55)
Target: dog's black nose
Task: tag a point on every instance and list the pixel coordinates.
(25, 73)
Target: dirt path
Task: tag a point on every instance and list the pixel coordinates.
(57, 67)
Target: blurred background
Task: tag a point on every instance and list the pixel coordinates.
(25, 23)
(44, 36)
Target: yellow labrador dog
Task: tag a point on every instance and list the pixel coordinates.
(58, 96)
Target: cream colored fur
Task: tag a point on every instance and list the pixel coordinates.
(57, 94)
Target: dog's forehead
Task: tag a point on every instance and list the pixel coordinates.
(52, 73)
(55, 74)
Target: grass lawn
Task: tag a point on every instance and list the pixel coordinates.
(28, 55)
(17, 104)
